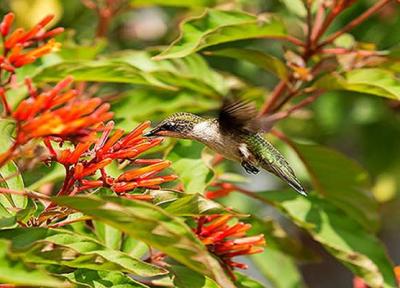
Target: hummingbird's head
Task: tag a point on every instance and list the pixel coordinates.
(178, 125)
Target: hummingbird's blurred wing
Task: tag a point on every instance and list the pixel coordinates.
(242, 115)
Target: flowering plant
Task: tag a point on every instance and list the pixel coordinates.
(87, 199)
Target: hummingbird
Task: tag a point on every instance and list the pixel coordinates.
(236, 135)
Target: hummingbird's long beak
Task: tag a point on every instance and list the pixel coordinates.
(152, 132)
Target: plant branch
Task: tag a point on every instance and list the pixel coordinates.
(284, 114)
(274, 98)
(357, 21)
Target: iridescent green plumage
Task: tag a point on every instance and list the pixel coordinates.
(270, 159)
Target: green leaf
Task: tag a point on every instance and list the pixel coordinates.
(108, 235)
(13, 270)
(98, 71)
(56, 174)
(279, 268)
(175, 3)
(153, 226)
(185, 278)
(342, 181)
(195, 205)
(10, 176)
(140, 104)
(102, 279)
(188, 164)
(375, 81)
(296, 7)
(278, 239)
(216, 27)
(137, 67)
(341, 236)
(244, 281)
(88, 253)
(258, 58)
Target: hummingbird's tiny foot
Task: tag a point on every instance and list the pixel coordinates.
(249, 168)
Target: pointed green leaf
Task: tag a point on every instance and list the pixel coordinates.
(244, 281)
(375, 81)
(282, 275)
(137, 67)
(341, 236)
(102, 279)
(185, 277)
(342, 181)
(153, 226)
(216, 27)
(258, 58)
(10, 176)
(13, 270)
(88, 253)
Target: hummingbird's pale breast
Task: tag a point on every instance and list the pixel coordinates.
(209, 133)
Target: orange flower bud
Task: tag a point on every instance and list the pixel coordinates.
(132, 174)
(6, 24)
(14, 38)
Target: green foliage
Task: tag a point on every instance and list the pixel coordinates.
(51, 237)
(13, 269)
(342, 236)
(215, 27)
(153, 226)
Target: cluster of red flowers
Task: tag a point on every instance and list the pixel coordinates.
(58, 114)
(15, 43)
(228, 240)
(97, 152)
(18, 49)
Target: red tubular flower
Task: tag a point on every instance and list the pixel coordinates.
(95, 154)
(6, 24)
(54, 113)
(19, 40)
(227, 241)
(220, 190)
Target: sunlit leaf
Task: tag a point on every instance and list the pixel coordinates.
(195, 205)
(244, 281)
(184, 277)
(188, 164)
(216, 27)
(373, 81)
(10, 177)
(136, 67)
(88, 253)
(341, 236)
(286, 274)
(153, 226)
(342, 181)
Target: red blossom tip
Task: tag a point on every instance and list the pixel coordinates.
(132, 174)
(6, 24)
